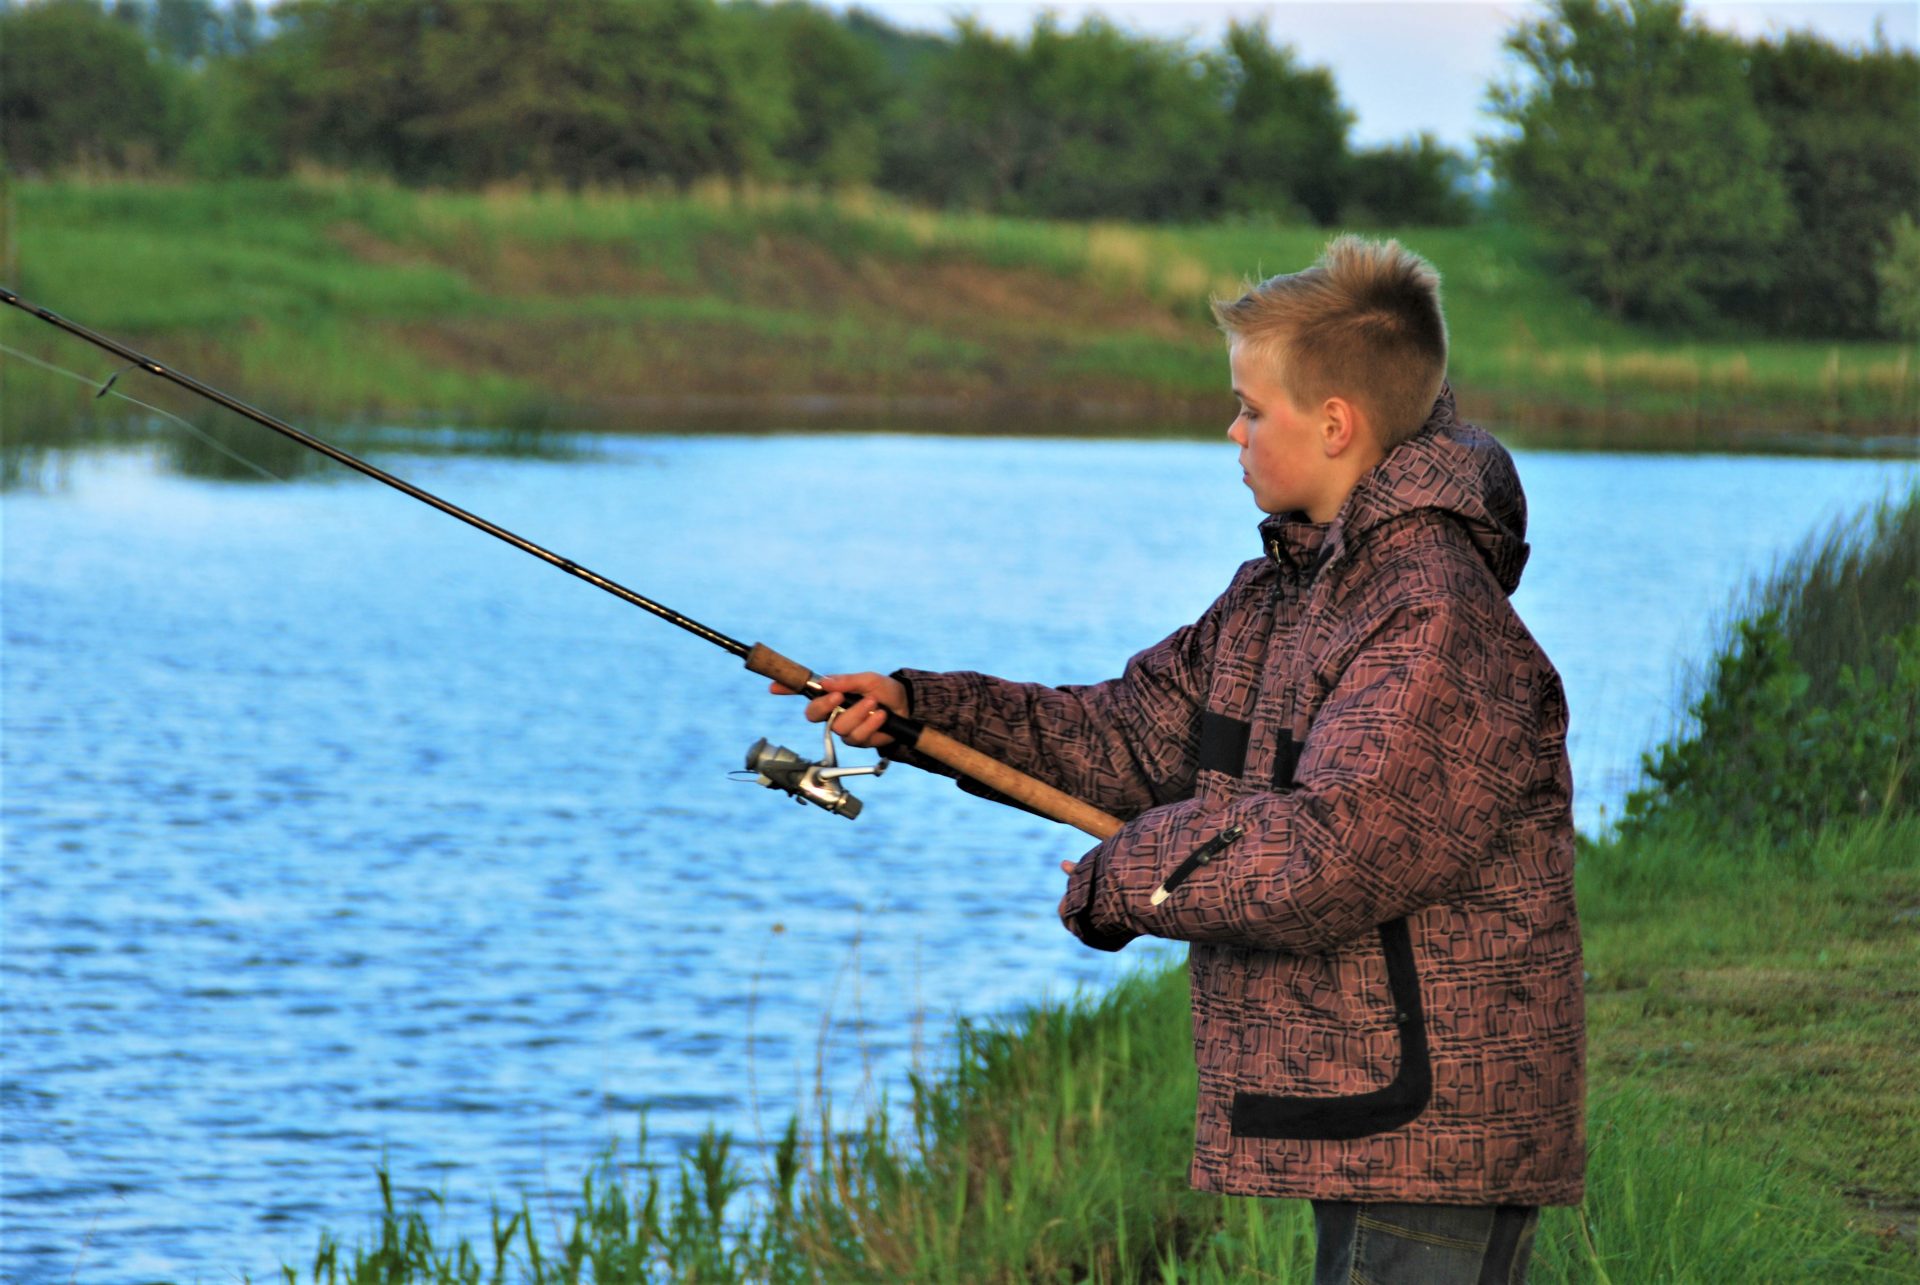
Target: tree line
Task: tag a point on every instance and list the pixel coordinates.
(1088, 121)
(1680, 176)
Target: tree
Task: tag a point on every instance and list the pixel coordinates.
(580, 91)
(1639, 152)
(350, 71)
(568, 91)
(1846, 141)
(972, 141)
(1898, 270)
(1084, 123)
(1124, 126)
(248, 100)
(1286, 133)
(79, 87)
(184, 30)
(837, 85)
(1416, 182)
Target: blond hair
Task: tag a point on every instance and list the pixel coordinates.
(1363, 323)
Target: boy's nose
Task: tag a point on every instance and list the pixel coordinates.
(1234, 434)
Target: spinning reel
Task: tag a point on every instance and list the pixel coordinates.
(818, 782)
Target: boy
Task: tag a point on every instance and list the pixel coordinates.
(1346, 786)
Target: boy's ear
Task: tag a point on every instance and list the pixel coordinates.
(1343, 426)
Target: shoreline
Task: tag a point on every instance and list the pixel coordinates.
(347, 300)
(1523, 421)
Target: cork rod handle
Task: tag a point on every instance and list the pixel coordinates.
(1016, 785)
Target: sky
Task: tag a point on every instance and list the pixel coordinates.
(1402, 66)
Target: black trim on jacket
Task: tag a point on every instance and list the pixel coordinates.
(1357, 1115)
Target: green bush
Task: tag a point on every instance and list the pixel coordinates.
(1898, 271)
(1637, 149)
(78, 87)
(1771, 762)
(1811, 714)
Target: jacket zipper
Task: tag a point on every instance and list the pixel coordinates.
(1201, 856)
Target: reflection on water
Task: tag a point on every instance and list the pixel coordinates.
(214, 444)
(337, 832)
(227, 448)
(48, 412)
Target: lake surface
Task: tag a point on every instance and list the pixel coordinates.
(338, 833)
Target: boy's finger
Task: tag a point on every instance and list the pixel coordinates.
(860, 717)
(867, 733)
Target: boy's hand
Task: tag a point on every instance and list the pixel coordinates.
(859, 723)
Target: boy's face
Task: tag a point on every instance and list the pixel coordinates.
(1282, 447)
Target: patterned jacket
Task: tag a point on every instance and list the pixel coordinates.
(1385, 963)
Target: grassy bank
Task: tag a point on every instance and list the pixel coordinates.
(1753, 1006)
(339, 300)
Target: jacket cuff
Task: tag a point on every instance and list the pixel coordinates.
(898, 752)
(944, 702)
(936, 699)
(1082, 900)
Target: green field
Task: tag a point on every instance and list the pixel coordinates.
(346, 300)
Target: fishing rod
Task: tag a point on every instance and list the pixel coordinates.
(810, 781)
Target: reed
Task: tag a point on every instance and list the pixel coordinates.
(1843, 594)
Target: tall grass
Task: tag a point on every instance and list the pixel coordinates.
(1845, 593)
(1752, 1114)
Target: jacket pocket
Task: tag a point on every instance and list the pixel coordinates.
(1358, 1115)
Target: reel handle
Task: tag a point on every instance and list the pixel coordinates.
(1015, 784)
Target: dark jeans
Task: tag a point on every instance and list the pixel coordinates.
(1378, 1244)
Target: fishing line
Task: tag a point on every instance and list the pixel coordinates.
(102, 390)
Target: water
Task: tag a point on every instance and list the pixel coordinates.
(337, 833)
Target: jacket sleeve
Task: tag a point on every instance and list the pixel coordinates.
(1414, 759)
(1125, 745)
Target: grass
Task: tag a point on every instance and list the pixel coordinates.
(1754, 1108)
(1752, 1118)
(347, 299)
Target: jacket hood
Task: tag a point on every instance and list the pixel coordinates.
(1449, 465)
